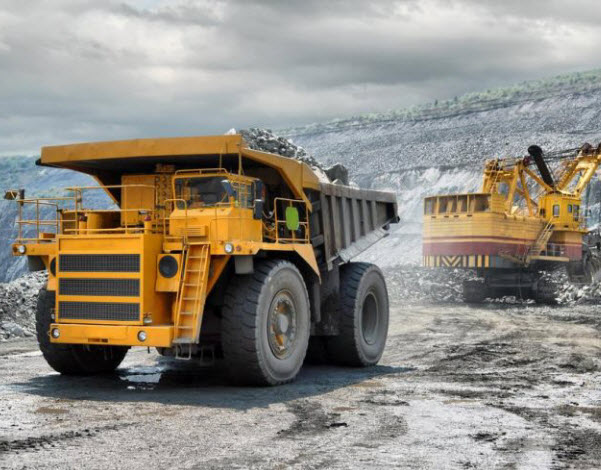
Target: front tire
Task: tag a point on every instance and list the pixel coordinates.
(363, 315)
(72, 359)
(266, 324)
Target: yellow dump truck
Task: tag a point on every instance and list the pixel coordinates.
(213, 251)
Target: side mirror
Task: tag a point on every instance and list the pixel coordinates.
(258, 209)
(258, 189)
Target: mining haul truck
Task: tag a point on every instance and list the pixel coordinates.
(210, 250)
(519, 226)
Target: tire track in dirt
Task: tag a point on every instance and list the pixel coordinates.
(46, 441)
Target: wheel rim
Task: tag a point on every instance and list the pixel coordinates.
(281, 325)
(370, 318)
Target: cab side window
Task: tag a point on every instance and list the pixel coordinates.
(556, 210)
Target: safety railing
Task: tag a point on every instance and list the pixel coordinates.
(554, 249)
(69, 216)
(291, 221)
(127, 225)
(38, 220)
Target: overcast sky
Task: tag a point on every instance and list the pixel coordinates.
(80, 70)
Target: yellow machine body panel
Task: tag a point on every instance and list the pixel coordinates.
(517, 218)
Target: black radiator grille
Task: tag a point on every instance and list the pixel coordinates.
(98, 311)
(113, 287)
(99, 263)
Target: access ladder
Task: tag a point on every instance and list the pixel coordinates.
(191, 298)
(540, 244)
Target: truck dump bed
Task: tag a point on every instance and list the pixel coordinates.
(351, 219)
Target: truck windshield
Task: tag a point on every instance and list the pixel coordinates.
(201, 192)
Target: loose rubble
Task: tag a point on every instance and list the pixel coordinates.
(568, 293)
(17, 305)
(266, 141)
(412, 284)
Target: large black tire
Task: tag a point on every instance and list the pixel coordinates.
(251, 326)
(363, 314)
(474, 292)
(72, 359)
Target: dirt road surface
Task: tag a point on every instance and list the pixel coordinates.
(496, 387)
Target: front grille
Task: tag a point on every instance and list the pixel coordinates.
(115, 287)
(98, 311)
(99, 263)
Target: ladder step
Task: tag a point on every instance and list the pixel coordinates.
(186, 313)
(191, 285)
(182, 340)
(184, 327)
(189, 298)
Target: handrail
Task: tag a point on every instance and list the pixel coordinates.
(304, 224)
(201, 171)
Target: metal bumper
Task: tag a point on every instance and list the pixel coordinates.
(111, 335)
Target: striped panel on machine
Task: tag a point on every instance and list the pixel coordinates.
(99, 311)
(116, 263)
(458, 261)
(100, 287)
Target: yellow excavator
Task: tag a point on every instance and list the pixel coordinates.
(521, 224)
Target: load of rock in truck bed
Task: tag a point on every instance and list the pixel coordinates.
(265, 140)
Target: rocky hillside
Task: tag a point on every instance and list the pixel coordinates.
(440, 147)
(429, 149)
(21, 172)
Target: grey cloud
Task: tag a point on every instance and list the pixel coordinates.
(93, 69)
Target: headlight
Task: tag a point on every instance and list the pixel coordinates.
(141, 336)
(21, 249)
(168, 266)
(55, 333)
(229, 248)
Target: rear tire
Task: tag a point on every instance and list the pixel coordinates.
(72, 359)
(266, 324)
(363, 314)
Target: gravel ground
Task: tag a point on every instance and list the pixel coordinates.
(498, 386)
